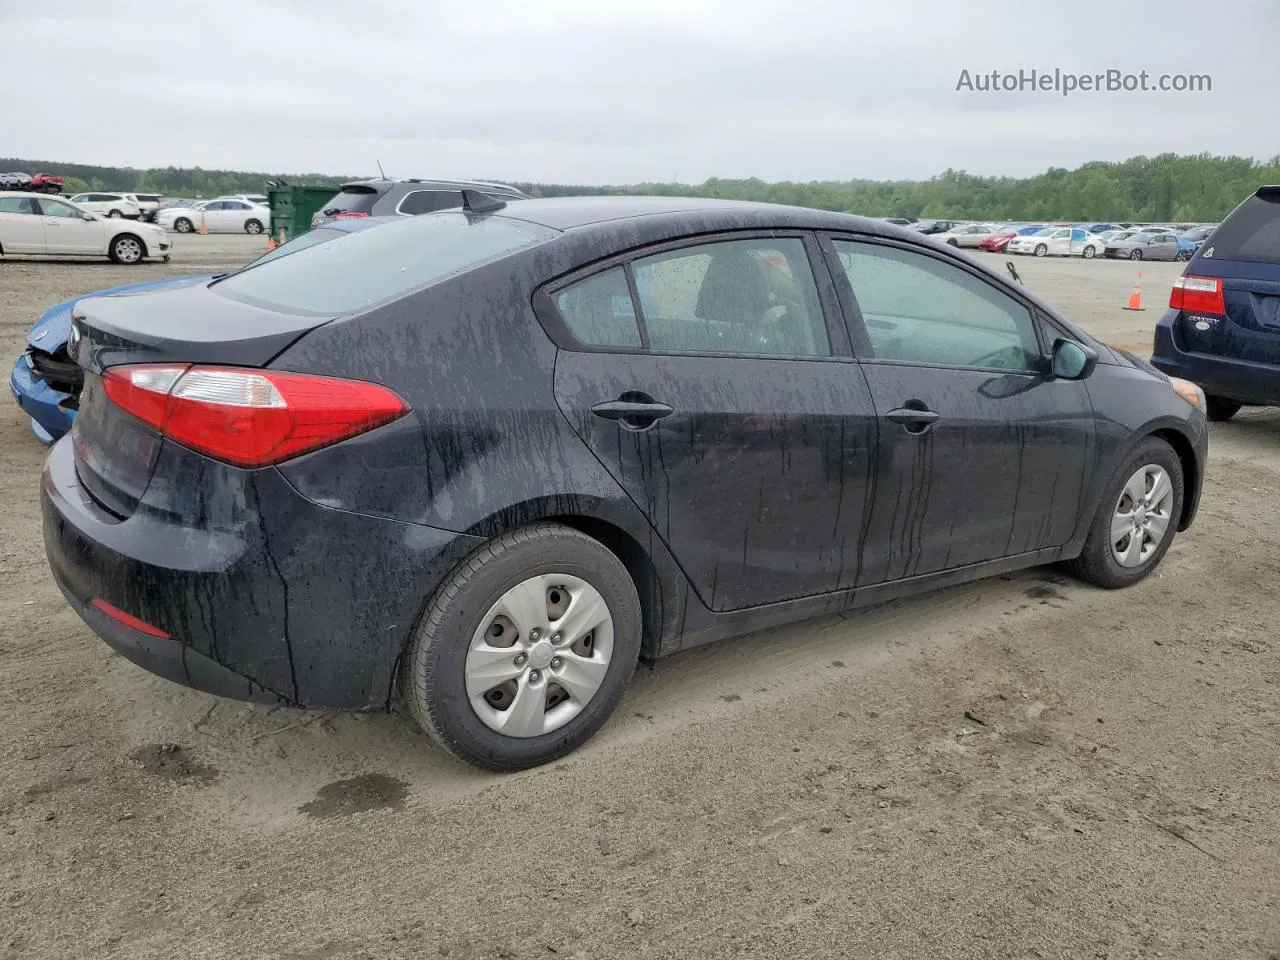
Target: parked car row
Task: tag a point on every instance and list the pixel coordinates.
(1127, 241)
(34, 183)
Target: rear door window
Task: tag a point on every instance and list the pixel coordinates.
(370, 267)
(1250, 232)
(429, 201)
(737, 296)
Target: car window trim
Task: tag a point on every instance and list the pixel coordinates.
(861, 339)
(544, 305)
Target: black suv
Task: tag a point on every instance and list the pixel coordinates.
(381, 197)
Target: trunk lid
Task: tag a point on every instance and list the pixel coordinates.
(115, 452)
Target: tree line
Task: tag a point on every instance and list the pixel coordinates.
(1167, 188)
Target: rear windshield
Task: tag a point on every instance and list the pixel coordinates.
(351, 200)
(1251, 232)
(375, 265)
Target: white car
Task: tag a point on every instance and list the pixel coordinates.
(109, 204)
(36, 223)
(221, 215)
(965, 235)
(1059, 242)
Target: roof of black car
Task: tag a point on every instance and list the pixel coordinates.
(566, 213)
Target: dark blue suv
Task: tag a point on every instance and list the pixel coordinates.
(1222, 328)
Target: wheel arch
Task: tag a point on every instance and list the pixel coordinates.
(115, 237)
(659, 583)
(1186, 452)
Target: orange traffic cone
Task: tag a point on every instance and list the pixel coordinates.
(204, 228)
(271, 242)
(1135, 298)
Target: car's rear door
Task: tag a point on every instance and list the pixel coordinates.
(1234, 312)
(713, 379)
(982, 455)
(21, 226)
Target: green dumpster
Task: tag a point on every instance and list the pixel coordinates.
(292, 207)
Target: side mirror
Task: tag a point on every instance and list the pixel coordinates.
(1073, 361)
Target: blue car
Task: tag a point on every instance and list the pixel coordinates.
(1222, 328)
(46, 382)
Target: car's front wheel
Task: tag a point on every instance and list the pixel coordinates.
(183, 225)
(1135, 254)
(126, 248)
(1041, 250)
(526, 649)
(1136, 520)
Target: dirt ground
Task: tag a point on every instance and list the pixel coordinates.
(1023, 768)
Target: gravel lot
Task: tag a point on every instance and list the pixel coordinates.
(1021, 768)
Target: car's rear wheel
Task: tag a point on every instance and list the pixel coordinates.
(1041, 249)
(126, 248)
(1182, 255)
(253, 226)
(1136, 521)
(1219, 409)
(526, 649)
(116, 214)
(1088, 253)
(183, 225)
(1135, 254)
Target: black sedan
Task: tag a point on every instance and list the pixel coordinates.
(485, 460)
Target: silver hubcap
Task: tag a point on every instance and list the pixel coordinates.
(539, 656)
(128, 250)
(1142, 516)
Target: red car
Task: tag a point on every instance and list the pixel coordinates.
(45, 183)
(1000, 237)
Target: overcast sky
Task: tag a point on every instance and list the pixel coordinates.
(621, 91)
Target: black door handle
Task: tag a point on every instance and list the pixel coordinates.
(916, 419)
(633, 414)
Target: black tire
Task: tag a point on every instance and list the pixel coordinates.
(115, 214)
(253, 227)
(1041, 250)
(1219, 409)
(127, 249)
(1088, 253)
(183, 225)
(1096, 564)
(951, 242)
(433, 680)
(1182, 255)
(1135, 254)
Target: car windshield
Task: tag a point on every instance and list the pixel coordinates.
(373, 266)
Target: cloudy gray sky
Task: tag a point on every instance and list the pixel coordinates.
(619, 91)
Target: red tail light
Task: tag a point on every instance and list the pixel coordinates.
(250, 418)
(128, 619)
(1198, 295)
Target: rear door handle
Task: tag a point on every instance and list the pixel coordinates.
(635, 414)
(914, 419)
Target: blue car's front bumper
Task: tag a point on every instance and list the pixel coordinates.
(47, 407)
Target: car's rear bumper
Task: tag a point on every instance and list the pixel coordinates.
(1243, 380)
(266, 594)
(50, 418)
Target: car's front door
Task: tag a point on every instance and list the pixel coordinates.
(67, 231)
(1060, 243)
(21, 227)
(713, 381)
(982, 454)
(1163, 246)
